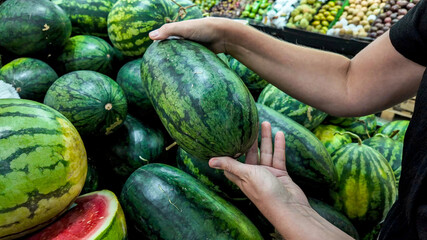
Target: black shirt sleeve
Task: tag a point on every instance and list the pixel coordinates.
(409, 34)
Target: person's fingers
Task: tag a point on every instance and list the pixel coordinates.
(172, 29)
(279, 151)
(252, 154)
(266, 145)
(228, 164)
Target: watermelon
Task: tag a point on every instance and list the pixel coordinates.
(129, 78)
(201, 102)
(381, 122)
(307, 160)
(334, 217)
(391, 149)
(93, 102)
(366, 185)
(302, 113)
(132, 146)
(92, 178)
(30, 77)
(252, 80)
(33, 27)
(210, 177)
(389, 128)
(129, 22)
(327, 134)
(163, 202)
(7, 91)
(43, 166)
(97, 215)
(85, 52)
(364, 126)
(88, 17)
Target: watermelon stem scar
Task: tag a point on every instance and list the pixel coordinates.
(182, 12)
(108, 106)
(170, 146)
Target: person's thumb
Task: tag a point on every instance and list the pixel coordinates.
(228, 164)
(170, 29)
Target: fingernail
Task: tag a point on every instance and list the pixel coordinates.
(213, 163)
(154, 33)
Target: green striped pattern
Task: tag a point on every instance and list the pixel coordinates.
(210, 177)
(252, 80)
(330, 137)
(93, 102)
(84, 52)
(92, 225)
(162, 202)
(307, 160)
(129, 78)
(130, 21)
(33, 27)
(367, 188)
(201, 102)
(333, 216)
(88, 17)
(392, 151)
(302, 113)
(30, 77)
(401, 125)
(364, 126)
(134, 145)
(42, 165)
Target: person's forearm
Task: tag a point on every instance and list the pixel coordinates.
(328, 81)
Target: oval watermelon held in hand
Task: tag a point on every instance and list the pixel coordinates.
(29, 27)
(93, 102)
(43, 166)
(201, 102)
(97, 215)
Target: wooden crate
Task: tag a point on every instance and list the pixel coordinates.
(404, 109)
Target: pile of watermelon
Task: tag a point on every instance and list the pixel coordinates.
(91, 110)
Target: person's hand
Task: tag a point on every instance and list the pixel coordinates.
(264, 181)
(208, 31)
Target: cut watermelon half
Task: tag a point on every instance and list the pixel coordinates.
(96, 215)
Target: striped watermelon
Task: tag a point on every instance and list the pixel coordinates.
(391, 149)
(129, 22)
(93, 102)
(129, 78)
(88, 17)
(43, 166)
(97, 215)
(163, 202)
(308, 161)
(85, 52)
(201, 102)
(364, 126)
(252, 80)
(327, 134)
(36, 27)
(30, 77)
(302, 113)
(389, 128)
(366, 185)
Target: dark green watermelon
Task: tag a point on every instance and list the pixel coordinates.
(33, 27)
(328, 135)
(302, 113)
(334, 217)
(307, 160)
(132, 146)
(252, 80)
(92, 178)
(85, 52)
(163, 202)
(93, 102)
(88, 17)
(210, 177)
(364, 126)
(391, 149)
(30, 77)
(366, 187)
(389, 128)
(129, 78)
(129, 22)
(201, 102)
